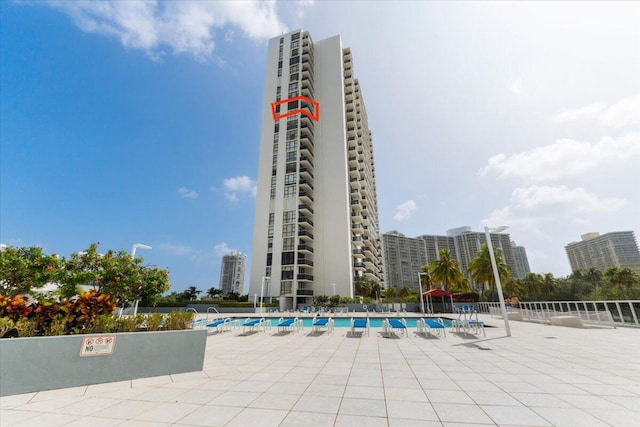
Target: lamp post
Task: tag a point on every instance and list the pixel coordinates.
(334, 289)
(420, 274)
(133, 255)
(264, 279)
(255, 301)
(496, 275)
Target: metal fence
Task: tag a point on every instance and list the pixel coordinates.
(622, 313)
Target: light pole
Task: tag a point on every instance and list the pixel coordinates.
(255, 301)
(264, 279)
(133, 255)
(496, 275)
(420, 274)
(334, 289)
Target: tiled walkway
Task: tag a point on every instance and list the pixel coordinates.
(542, 376)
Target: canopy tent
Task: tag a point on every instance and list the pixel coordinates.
(435, 293)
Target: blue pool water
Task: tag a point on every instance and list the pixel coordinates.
(345, 322)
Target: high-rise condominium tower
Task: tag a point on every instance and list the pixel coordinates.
(232, 273)
(316, 218)
(615, 249)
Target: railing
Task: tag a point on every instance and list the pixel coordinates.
(620, 312)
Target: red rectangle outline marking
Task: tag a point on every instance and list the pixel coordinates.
(315, 117)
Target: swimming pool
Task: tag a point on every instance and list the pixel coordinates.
(345, 322)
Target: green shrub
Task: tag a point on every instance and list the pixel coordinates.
(105, 324)
(154, 321)
(6, 325)
(26, 327)
(58, 326)
(127, 323)
(178, 320)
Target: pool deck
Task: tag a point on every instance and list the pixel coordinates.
(541, 376)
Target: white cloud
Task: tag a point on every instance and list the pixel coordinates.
(186, 193)
(623, 113)
(405, 210)
(183, 26)
(222, 249)
(177, 250)
(531, 207)
(574, 199)
(235, 188)
(565, 157)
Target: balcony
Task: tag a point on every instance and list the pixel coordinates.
(302, 220)
(306, 185)
(305, 209)
(305, 248)
(305, 197)
(306, 162)
(305, 292)
(305, 261)
(307, 278)
(305, 235)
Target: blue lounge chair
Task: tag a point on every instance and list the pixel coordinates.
(255, 324)
(320, 323)
(222, 324)
(426, 325)
(390, 324)
(360, 323)
(293, 324)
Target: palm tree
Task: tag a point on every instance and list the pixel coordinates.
(445, 270)
(482, 271)
(213, 292)
(191, 293)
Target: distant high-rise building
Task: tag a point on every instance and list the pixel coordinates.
(522, 262)
(316, 215)
(403, 256)
(232, 273)
(616, 249)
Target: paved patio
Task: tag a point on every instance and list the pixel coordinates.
(542, 376)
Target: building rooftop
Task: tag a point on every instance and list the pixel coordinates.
(542, 376)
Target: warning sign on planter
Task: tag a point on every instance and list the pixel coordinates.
(97, 346)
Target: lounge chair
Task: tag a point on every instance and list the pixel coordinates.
(389, 325)
(292, 324)
(320, 323)
(425, 325)
(359, 323)
(254, 324)
(221, 325)
(468, 321)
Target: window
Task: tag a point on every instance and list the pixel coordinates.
(290, 178)
(292, 135)
(288, 244)
(275, 159)
(294, 60)
(276, 136)
(288, 230)
(291, 156)
(279, 75)
(269, 244)
(280, 65)
(273, 173)
(294, 52)
(288, 258)
(293, 124)
(292, 167)
(278, 109)
(267, 272)
(289, 217)
(276, 128)
(287, 273)
(295, 44)
(289, 191)
(269, 258)
(292, 145)
(294, 68)
(293, 86)
(295, 36)
(294, 77)
(292, 105)
(281, 40)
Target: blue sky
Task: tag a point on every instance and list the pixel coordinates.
(126, 122)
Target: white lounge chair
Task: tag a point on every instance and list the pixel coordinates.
(389, 325)
(360, 323)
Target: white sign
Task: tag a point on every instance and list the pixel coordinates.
(97, 346)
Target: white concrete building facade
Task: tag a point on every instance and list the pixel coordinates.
(316, 217)
(615, 249)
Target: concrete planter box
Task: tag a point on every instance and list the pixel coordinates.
(46, 363)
